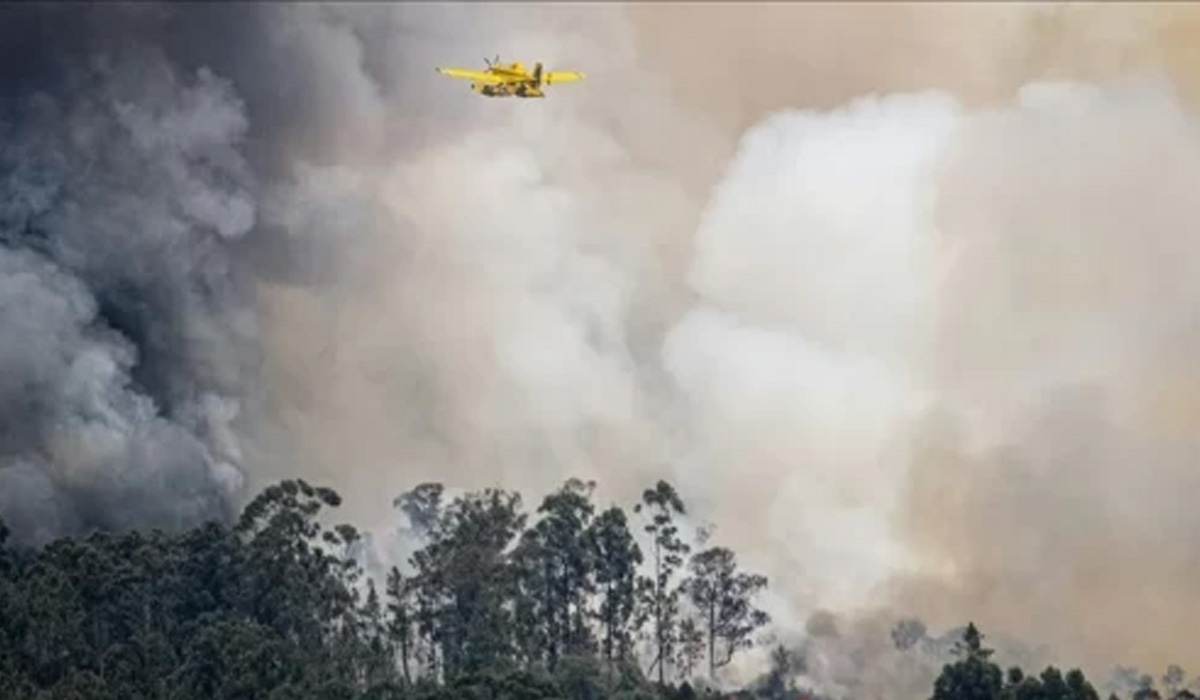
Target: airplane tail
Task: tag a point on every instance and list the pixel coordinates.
(537, 74)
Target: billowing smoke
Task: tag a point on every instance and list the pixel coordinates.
(918, 339)
(946, 349)
(813, 268)
(126, 330)
(874, 656)
(1063, 349)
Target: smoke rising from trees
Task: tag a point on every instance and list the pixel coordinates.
(923, 346)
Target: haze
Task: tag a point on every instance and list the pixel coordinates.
(899, 295)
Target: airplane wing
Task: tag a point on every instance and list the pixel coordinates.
(552, 77)
(477, 76)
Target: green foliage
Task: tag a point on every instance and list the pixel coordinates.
(274, 606)
(975, 677)
(661, 504)
(466, 578)
(557, 566)
(723, 596)
(616, 558)
(489, 607)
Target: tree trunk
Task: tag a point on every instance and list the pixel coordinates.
(404, 655)
(658, 614)
(551, 630)
(712, 659)
(608, 626)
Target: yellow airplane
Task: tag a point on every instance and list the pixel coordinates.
(511, 80)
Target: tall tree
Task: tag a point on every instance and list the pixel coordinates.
(423, 507)
(378, 663)
(690, 647)
(468, 581)
(617, 558)
(291, 582)
(400, 618)
(557, 554)
(532, 599)
(973, 676)
(661, 504)
(723, 596)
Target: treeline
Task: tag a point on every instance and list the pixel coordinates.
(974, 676)
(496, 603)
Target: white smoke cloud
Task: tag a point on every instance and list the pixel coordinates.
(813, 265)
(900, 261)
(1061, 337)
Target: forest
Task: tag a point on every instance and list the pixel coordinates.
(496, 604)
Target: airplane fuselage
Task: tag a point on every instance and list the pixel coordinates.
(520, 86)
(508, 90)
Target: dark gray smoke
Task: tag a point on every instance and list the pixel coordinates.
(127, 329)
(128, 206)
(158, 162)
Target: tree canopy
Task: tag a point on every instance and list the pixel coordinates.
(496, 603)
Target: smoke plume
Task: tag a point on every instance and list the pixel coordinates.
(898, 297)
(125, 333)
